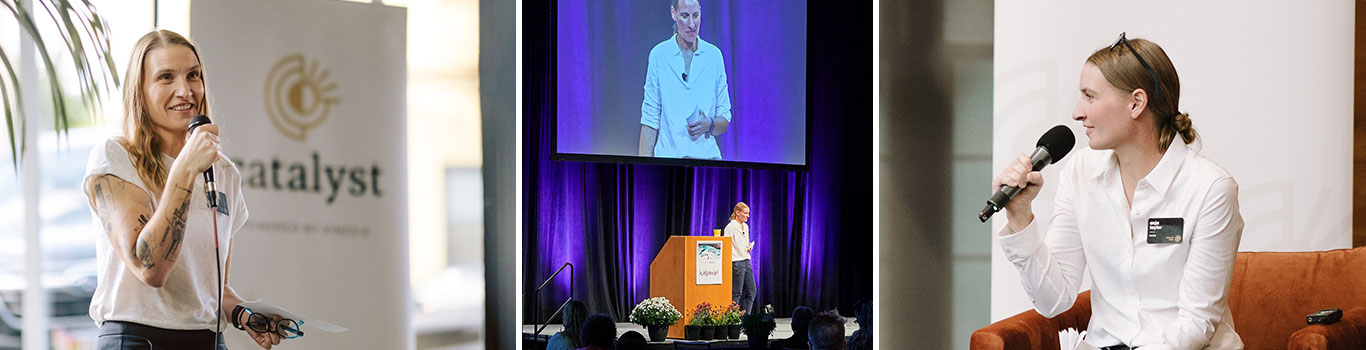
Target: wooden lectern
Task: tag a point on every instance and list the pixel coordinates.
(673, 275)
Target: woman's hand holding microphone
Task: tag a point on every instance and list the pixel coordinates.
(201, 150)
(1019, 212)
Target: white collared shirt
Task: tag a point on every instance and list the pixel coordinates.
(739, 244)
(1157, 296)
(669, 99)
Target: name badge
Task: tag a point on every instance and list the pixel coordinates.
(1165, 230)
(222, 202)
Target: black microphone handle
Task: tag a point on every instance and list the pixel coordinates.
(195, 123)
(211, 187)
(998, 200)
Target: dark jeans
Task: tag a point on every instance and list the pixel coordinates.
(742, 285)
(118, 335)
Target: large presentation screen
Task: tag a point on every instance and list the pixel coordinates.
(682, 82)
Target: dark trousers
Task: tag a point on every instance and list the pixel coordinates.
(742, 285)
(118, 335)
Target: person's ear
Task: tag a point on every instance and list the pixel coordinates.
(1138, 102)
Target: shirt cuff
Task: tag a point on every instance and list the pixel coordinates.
(1019, 246)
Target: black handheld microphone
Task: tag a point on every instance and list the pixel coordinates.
(208, 174)
(1052, 146)
(212, 192)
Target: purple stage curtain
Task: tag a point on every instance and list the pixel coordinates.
(812, 228)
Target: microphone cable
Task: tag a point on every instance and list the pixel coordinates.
(212, 193)
(218, 262)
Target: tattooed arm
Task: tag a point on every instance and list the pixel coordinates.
(146, 238)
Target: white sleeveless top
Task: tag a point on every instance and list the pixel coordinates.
(189, 297)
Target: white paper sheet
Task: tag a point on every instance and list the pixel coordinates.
(1070, 339)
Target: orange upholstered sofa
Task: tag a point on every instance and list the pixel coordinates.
(1270, 296)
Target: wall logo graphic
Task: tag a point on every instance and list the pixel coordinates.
(298, 95)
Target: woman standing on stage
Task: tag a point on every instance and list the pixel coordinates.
(742, 280)
(1155, 223)
(158, 274)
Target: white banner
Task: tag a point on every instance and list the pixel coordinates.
(311, 98)
(1268, 85)
(709, 262)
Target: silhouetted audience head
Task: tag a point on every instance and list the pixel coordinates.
(573, 317)
(863, 314)
(632, 340)
(600, 331)
(826, 332)
(863, 337)
(801, 318)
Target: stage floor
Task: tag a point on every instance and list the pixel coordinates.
(784, 330)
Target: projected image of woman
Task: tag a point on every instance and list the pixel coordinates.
(158, 271)
(1155, 223)
(687, 101)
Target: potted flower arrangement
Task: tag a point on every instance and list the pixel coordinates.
(731, 318)
(693, 330)
(702, 322)
(656, 315)
(758, 326)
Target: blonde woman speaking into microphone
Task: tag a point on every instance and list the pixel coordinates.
(159, 274)
(1155, 223)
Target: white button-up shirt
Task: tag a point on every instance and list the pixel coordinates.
(1157, 296)
(739, 235)
(670, 100)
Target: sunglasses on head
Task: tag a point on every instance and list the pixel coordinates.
(1157, 84)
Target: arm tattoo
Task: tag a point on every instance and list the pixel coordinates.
(175, 229)
(100, 204)
(104, 191)
(144, 254)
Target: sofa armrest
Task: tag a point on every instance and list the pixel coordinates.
(1348, 333)
(1030, 330)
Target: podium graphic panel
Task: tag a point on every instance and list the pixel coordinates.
(709, 256)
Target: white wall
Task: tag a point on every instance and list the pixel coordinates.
(1268, 85)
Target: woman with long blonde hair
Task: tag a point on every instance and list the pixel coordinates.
(742, 272)
(159, 274)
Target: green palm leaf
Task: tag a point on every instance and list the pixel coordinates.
(84, 35)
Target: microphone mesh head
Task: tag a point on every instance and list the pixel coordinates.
(1058, 141)
(199, 120)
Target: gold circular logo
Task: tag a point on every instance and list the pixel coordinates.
(298, 95)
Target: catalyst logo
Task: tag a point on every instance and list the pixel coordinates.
(298, 95)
